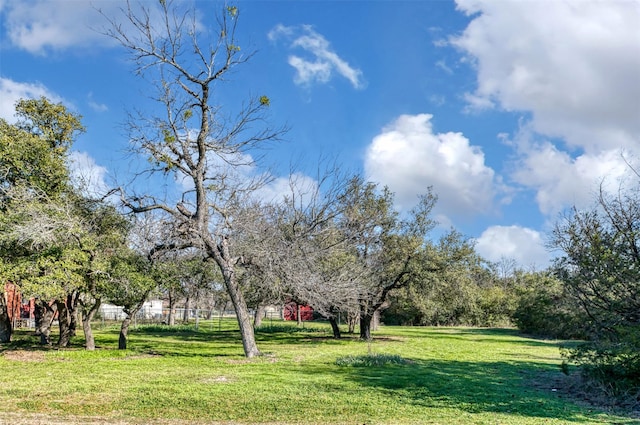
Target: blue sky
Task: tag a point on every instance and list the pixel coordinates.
(512, 110)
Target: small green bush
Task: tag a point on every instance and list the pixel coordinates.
(613, 365)
(158, 328)
(371, 360)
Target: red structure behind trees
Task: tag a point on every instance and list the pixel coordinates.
(292, 310)
(14, 301)
(16, 308)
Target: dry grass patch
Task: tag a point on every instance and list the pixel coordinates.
(25, 356)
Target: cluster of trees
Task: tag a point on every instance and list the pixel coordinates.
(337, 244)
(58, 244)
(342, 249)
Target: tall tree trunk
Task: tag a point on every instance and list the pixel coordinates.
(124, 328)
(352, 320)
(220, 253)
(87, 317)
(171, 319)
(124, 333)
(258, 316)
(44, 314)
(375, 322)
(334, 327)
(366, 317)
(365, 326)
(242, 313)
(298, 315)
(131, 313)
(64, 323)
(6, 327)
(187, 306)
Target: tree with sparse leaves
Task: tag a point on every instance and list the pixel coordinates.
(192, 139)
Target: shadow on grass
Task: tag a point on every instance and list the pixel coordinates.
(473, 387)
(26, 340)
(486, 335)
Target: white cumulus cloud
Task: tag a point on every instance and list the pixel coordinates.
(407, 156)
(316, 60)
(524, 245)
(38, 26)
(561, 180)
(572, 64)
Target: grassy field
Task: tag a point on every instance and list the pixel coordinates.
(180, 375)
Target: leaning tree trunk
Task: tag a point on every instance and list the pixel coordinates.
(258, 316)
(87, 317)
(124, 328)
(334, 327)
(221, 255)
(131, 313)
(242, 313)
(44, 314)
(124, 333)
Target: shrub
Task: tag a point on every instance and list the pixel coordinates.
(545, 309)
(371, 360)
(613, 366)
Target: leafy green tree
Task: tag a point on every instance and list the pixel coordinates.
(545, 308)
(61, 251)
(394, 251)
(601, 270)
(32, 165)
(448, 292)
(133, 278)
(33, 152)
(105, 237)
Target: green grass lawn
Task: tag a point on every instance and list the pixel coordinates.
(180, 375)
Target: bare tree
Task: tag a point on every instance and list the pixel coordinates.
(296, 251)
(193, 141)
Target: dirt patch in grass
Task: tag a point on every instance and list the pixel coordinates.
(24, 356)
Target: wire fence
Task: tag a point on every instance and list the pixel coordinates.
(154, 315)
